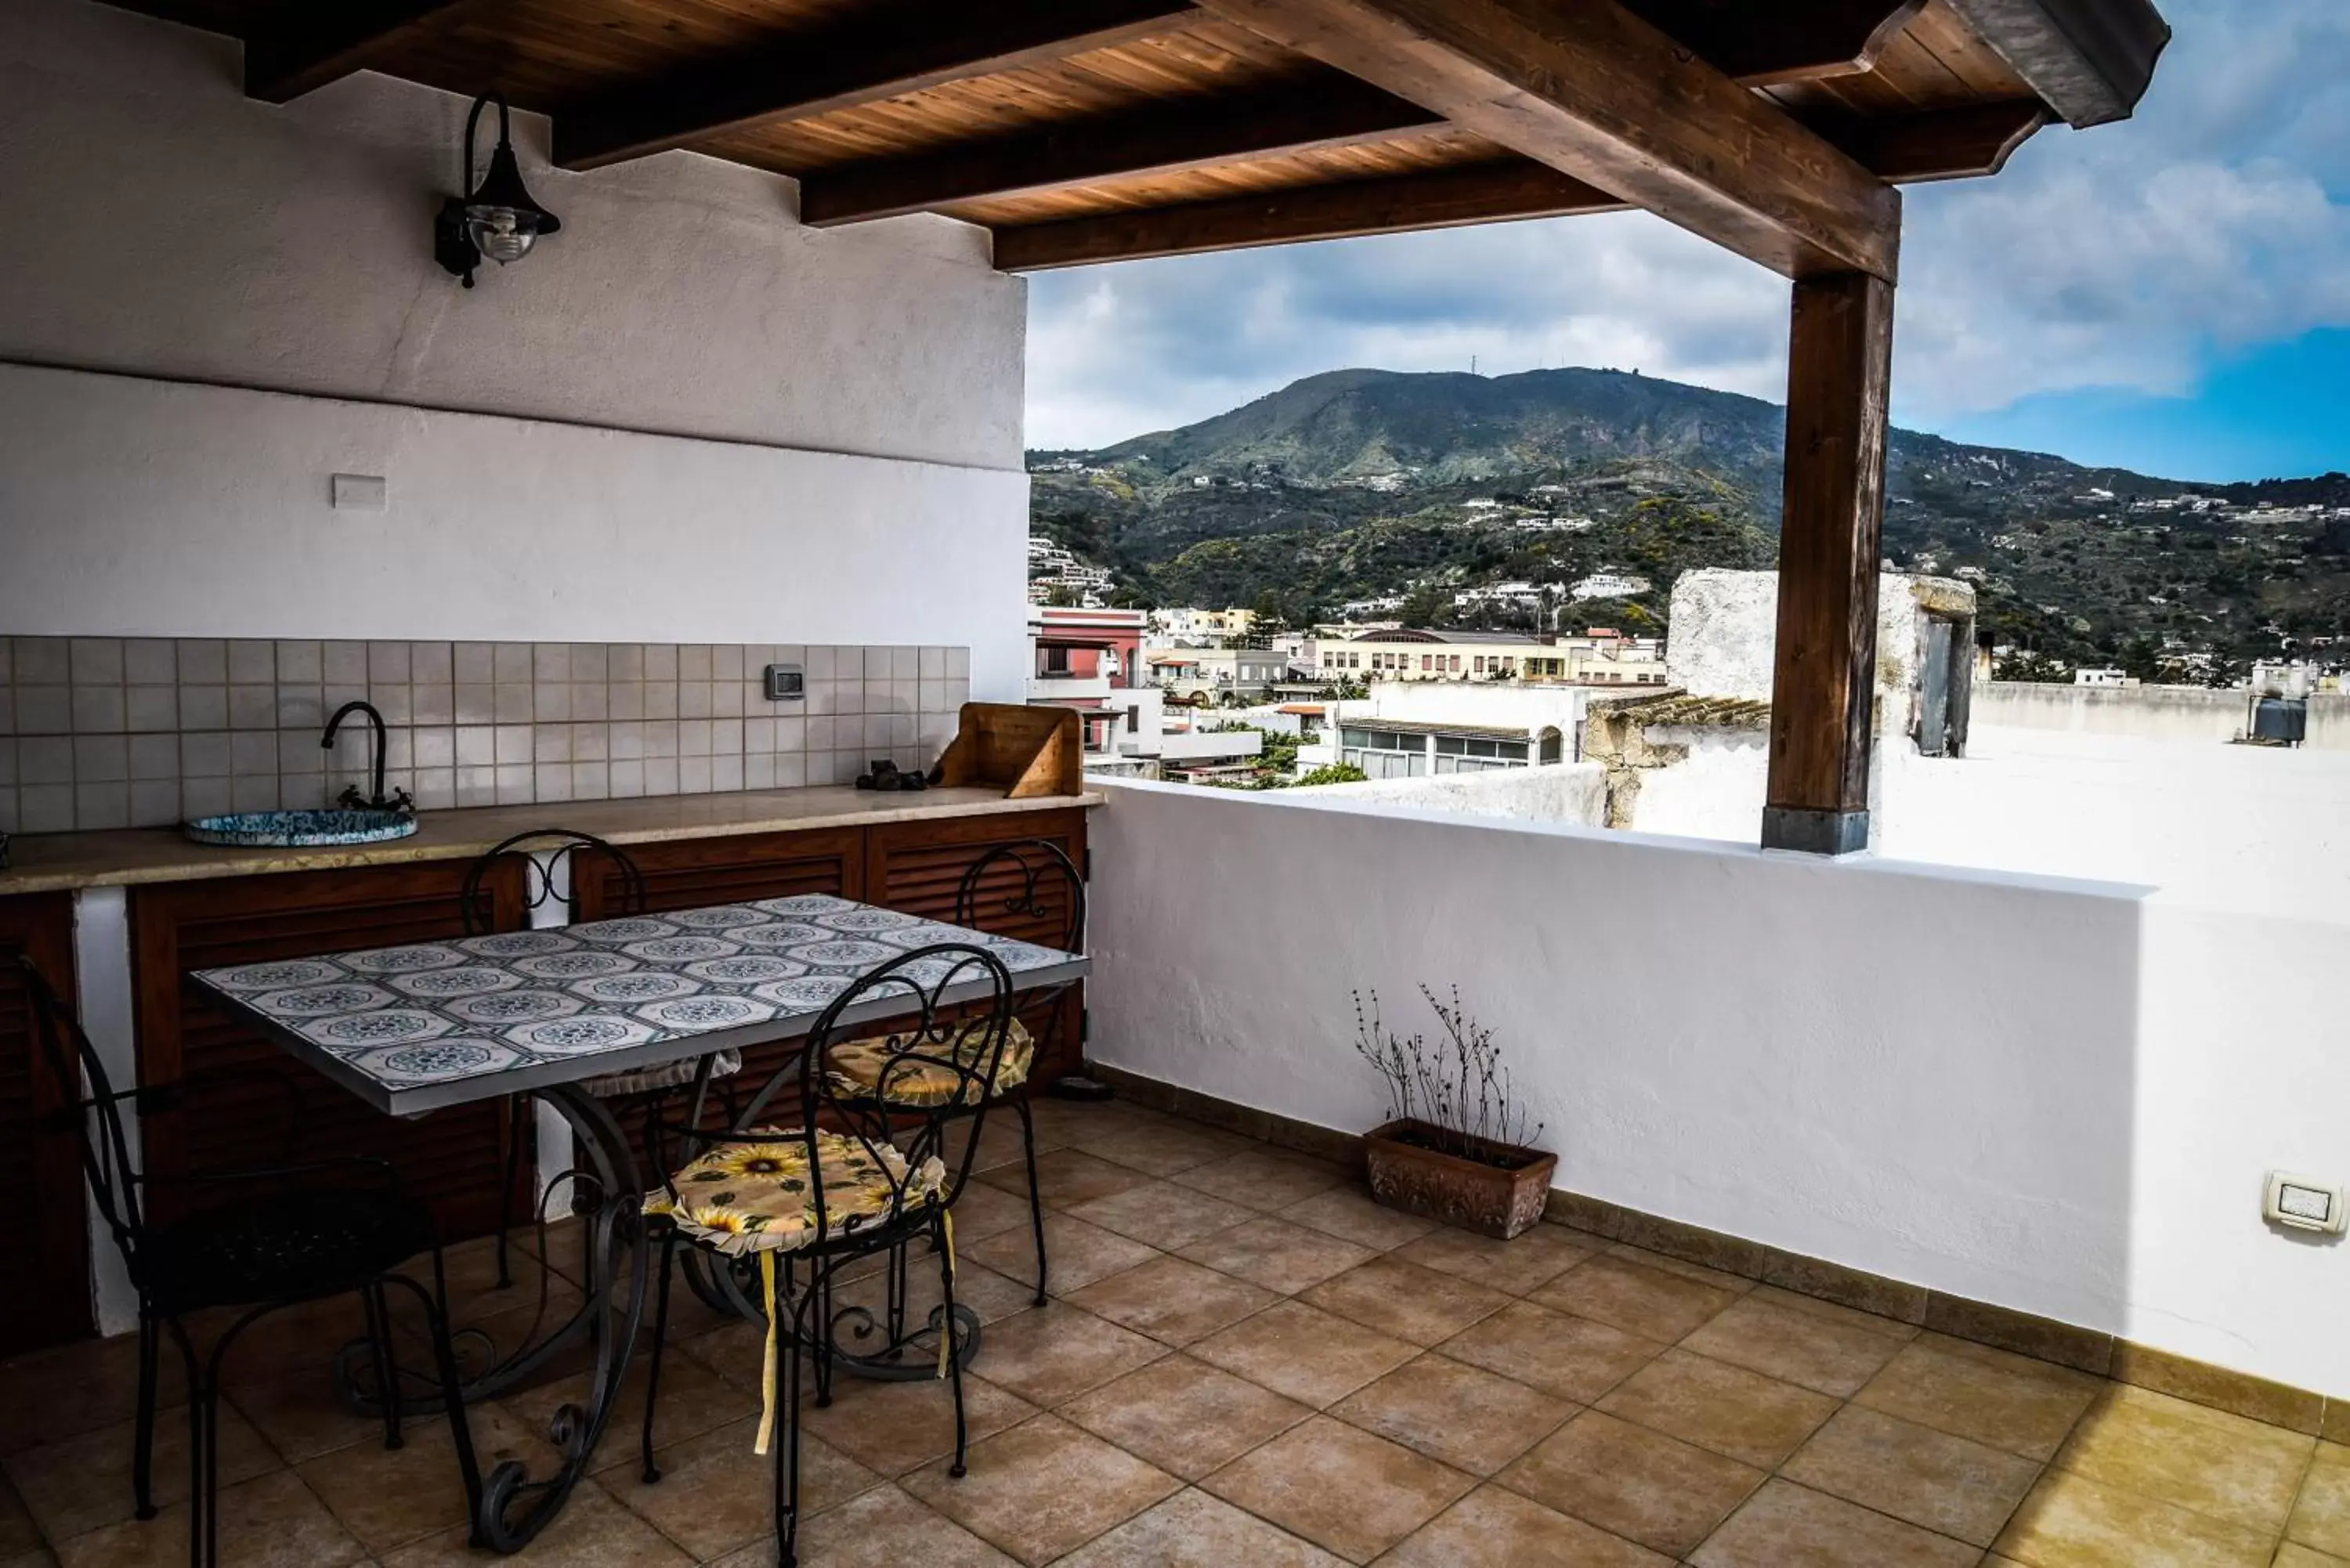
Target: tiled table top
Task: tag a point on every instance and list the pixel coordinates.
(416, 1028)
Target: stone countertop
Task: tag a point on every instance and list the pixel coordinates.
(47, 862)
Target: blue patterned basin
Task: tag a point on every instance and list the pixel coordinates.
(301, 829)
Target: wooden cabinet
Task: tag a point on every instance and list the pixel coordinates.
(455, 1157)
(44, 1211)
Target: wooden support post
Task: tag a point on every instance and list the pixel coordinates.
(1839, 364)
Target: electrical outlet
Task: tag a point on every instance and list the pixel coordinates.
(2305, 1203)
(785, 683)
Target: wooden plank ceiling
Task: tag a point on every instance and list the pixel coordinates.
(1086, 131)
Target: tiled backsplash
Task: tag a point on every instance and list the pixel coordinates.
(146, 732)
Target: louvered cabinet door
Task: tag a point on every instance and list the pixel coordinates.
(43, 1214)
(919, 867)
(453, 1157)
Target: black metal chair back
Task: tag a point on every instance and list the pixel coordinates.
(1036, 866)
(549, 859)
(952, 1008)
(97, 1113)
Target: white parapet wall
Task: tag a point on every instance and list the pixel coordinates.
(2058, 1096)
(1576, 792)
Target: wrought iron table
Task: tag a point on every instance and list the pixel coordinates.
(417, 1028)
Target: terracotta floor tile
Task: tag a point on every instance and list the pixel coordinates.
(1851, 1317)
(1468, 1417)
(1042, 1488)
(1162, 1214)
(694, 1399)
(1785, 1523)
(1517, 1265)
(1736, 1284)
(2071, 1522)
(1049, 1353)
(893, 1427)
(1350, 1214)
(84, 1482)
(738, 1353)
(1492, 1528)
(2321, 1516)
(1339, 1487)
(2189, 1455)
(300, 1417)
(388, 1498)
(1799, 1347)
(1193, 1530)
(1407, 1301)
(19, 1533)
(1065, 1177)
(879, 1529)
(56, 1394)
(999, 1143)
(1276, 1255)
(1633, 1297)
(1184, 1416)
(982, 1210)
(1164, 1150)
(1572, 1357)
(1639, 1484)
(2293, 1555)
(1263, 1178)
(592, 1532)
(270, 1521)
(1726, 1408)
(1077, 1253)
(2011, 1402)
(1172, 1300)
(1305, 1353)
(717, 1493)
(994, 1296)
(1952, 1485)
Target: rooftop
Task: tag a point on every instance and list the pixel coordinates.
(1249, 1359)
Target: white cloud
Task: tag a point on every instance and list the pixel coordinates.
(2123, 256)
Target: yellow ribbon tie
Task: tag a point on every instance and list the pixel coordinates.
(767, 1372)
(946, 1319)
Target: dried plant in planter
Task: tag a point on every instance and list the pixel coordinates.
(1456, 1146)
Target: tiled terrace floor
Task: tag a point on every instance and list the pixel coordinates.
(1250, 1364)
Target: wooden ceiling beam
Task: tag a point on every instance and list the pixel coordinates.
(1592, 90)
(879, 54)
(1765, 45)
(333, 41)
(1943, 144)
(1436, 199)
(1320, 110)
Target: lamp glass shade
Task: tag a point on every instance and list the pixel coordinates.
(501, 219)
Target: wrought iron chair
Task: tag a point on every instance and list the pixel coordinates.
(1033, 865)
(285, 1235)
(548, 860)
(851, 1181)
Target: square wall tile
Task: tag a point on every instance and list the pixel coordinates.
(44, 710)
(41, 660)
(98, 709)
(343, 663)
(473, 662)
(146, 662)
(252, 662)
(45, 808)
(96, 660)
(301, 663)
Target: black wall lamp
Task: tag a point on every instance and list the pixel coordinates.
(497, 218)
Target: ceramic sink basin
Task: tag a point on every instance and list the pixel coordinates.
(301, 829)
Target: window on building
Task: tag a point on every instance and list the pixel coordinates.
(1477, 666)
(1056, 660)
(1455, 665)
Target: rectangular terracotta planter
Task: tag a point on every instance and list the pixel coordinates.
(1499, 1198)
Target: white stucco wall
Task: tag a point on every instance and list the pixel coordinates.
(2056, 1096)
(2184, 713)
(1573, 792)
(158, 226)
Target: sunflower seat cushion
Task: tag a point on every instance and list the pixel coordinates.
(746, 1197)
(916, 1073)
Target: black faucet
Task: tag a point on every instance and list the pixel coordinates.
(350, 798)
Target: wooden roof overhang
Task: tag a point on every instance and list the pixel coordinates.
(1089, 131)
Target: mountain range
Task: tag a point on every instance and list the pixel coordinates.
(1366, 485)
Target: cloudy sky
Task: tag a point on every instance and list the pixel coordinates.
(2171, 293)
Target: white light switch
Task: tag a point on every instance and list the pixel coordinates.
(359, 493)
(2305, 1203)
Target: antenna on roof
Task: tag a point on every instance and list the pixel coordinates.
(1473, 364)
